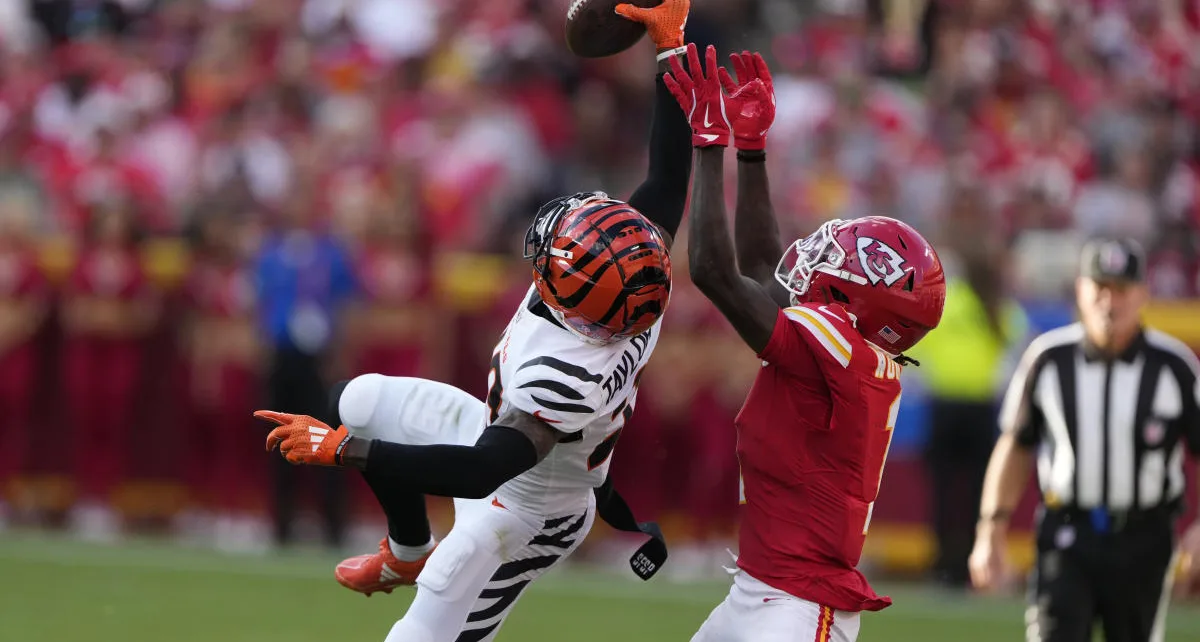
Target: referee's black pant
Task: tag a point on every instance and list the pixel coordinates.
(294, 385)
(1099, 568)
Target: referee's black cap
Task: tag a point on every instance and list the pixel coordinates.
(1113, 259)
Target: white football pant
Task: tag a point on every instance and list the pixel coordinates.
(495, 549)
(756, 612)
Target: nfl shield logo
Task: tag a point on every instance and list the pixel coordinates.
(1154, 431)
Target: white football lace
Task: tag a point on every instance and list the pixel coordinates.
(574, 8)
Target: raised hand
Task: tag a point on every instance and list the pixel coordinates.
(699, 94)
(664, 22)
(754, 111)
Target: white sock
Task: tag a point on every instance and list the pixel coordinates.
(410, 553)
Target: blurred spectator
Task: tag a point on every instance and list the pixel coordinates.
(224, 363)
(393, 328)
(24, 302)
(109, 307)
(304, 280)
(1119, 204)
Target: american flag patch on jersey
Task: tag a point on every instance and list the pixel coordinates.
(889, 334)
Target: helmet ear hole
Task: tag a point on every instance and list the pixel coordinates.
(838, 295)
(908, 285)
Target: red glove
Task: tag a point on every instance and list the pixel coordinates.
(754, 113)
(304, 440)
(699, 94)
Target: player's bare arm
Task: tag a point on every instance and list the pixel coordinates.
(1007, 475)
(755, 231)
(711, 256)
(712, 263)
(513, 444)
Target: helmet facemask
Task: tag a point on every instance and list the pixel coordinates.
(539, 238)
(816, 253)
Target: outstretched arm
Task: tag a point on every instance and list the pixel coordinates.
(514, 443)
(750, 309)
(663, 195)
(755, 232)
(711, 256)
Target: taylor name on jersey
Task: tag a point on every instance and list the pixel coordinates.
(584, 390)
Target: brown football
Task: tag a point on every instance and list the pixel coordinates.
(594, 30)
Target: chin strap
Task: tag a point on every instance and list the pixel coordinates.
(905, 360)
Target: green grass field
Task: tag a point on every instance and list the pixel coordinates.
(55, 590)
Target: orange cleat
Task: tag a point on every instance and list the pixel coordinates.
(380, 571)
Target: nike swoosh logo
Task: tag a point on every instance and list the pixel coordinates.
(537, 414)
(772, 599)
(707, 122)
(708, 138)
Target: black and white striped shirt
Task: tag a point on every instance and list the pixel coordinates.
(1109, 432)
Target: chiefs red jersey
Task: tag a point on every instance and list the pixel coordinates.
(812, 439)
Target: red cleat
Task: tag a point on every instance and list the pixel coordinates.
(380, 571)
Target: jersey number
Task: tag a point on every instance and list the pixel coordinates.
(605, 448)
(893, 411)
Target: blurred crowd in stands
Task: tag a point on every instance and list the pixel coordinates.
(213, 206)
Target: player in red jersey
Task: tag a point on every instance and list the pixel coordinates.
(814, 432)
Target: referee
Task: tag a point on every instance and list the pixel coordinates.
(1105, 407)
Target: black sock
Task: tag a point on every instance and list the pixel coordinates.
(408, 525)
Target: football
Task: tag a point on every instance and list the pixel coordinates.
(594, 30)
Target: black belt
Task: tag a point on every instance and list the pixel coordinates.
(616, 513)
(1106, 520)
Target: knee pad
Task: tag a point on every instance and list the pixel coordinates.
(357, 399)
(409, 410)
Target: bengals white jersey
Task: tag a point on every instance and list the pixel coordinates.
(583, 390)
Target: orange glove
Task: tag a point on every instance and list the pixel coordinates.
(304, 440)
(664, 23)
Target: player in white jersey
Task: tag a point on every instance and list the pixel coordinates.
(529, 465)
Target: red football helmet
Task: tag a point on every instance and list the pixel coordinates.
(879, 269)
(599, 265)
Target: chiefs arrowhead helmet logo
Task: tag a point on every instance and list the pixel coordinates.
(879, 261)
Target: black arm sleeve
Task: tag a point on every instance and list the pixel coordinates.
(662, 196)
(470, 472)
